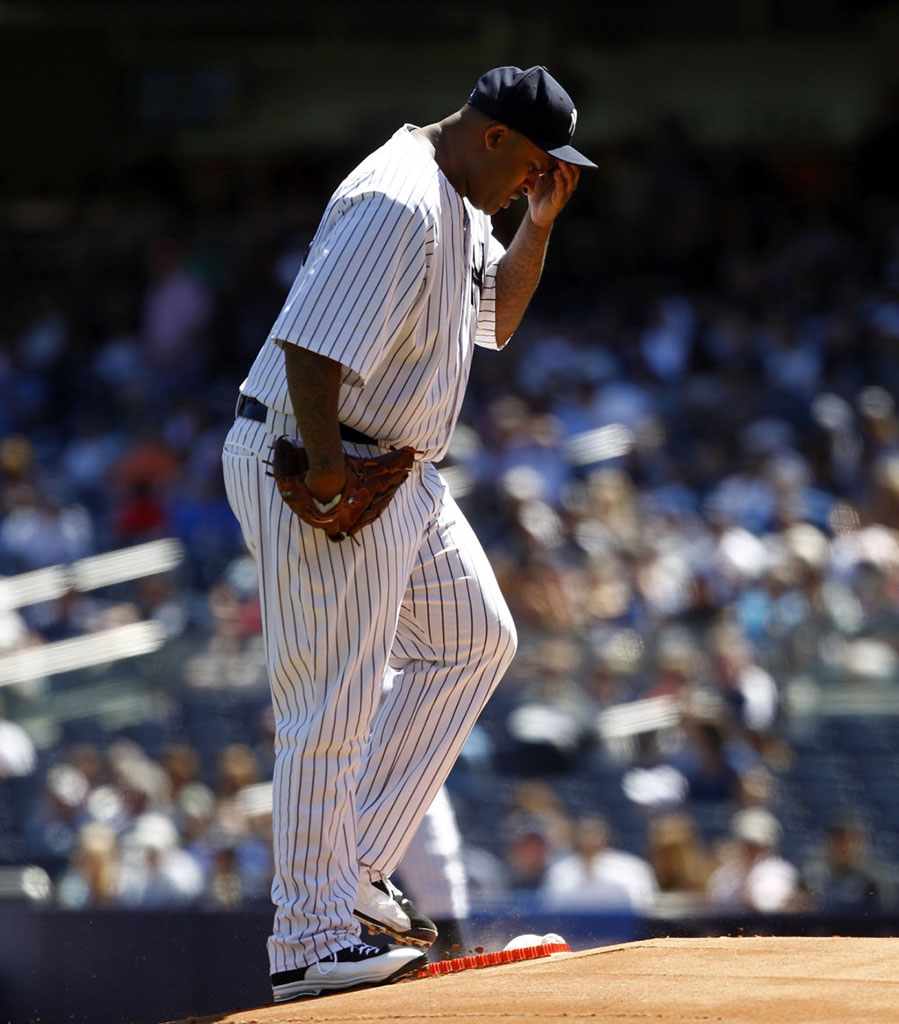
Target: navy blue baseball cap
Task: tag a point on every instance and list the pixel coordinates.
(533, 103)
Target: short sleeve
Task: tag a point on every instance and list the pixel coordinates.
(361, 282)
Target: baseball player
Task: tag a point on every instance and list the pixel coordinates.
(368, 360)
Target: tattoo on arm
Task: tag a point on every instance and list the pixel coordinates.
(313, 382)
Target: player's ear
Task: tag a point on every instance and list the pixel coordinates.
(495, 135)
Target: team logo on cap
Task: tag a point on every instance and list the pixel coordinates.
(573, 124)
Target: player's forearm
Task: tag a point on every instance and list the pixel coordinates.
(313, 382)
(518, 275)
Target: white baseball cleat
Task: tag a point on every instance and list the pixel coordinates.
(357, 966)
(383, 908)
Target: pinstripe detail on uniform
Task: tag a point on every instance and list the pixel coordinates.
(457, 644)
(386, 290)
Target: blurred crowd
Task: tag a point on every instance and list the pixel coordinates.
(114, 827)
(553, 861)
(684, 467)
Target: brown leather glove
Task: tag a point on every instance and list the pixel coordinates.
(370, 484)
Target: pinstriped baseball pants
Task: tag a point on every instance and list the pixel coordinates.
(432, 872)
(356, 770)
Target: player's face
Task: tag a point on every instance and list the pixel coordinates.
(513, 168)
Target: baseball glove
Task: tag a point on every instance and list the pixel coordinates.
(370, 484)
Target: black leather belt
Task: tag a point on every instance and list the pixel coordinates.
(253, 409)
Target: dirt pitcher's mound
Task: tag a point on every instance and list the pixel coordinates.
(752, 980)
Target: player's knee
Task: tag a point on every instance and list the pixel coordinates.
(502, 642)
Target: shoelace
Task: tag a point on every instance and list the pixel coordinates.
(326, 966)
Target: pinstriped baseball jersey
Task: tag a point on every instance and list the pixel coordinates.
(398, 285)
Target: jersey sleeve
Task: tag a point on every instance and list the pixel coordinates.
(485, 334)
(362, 281)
